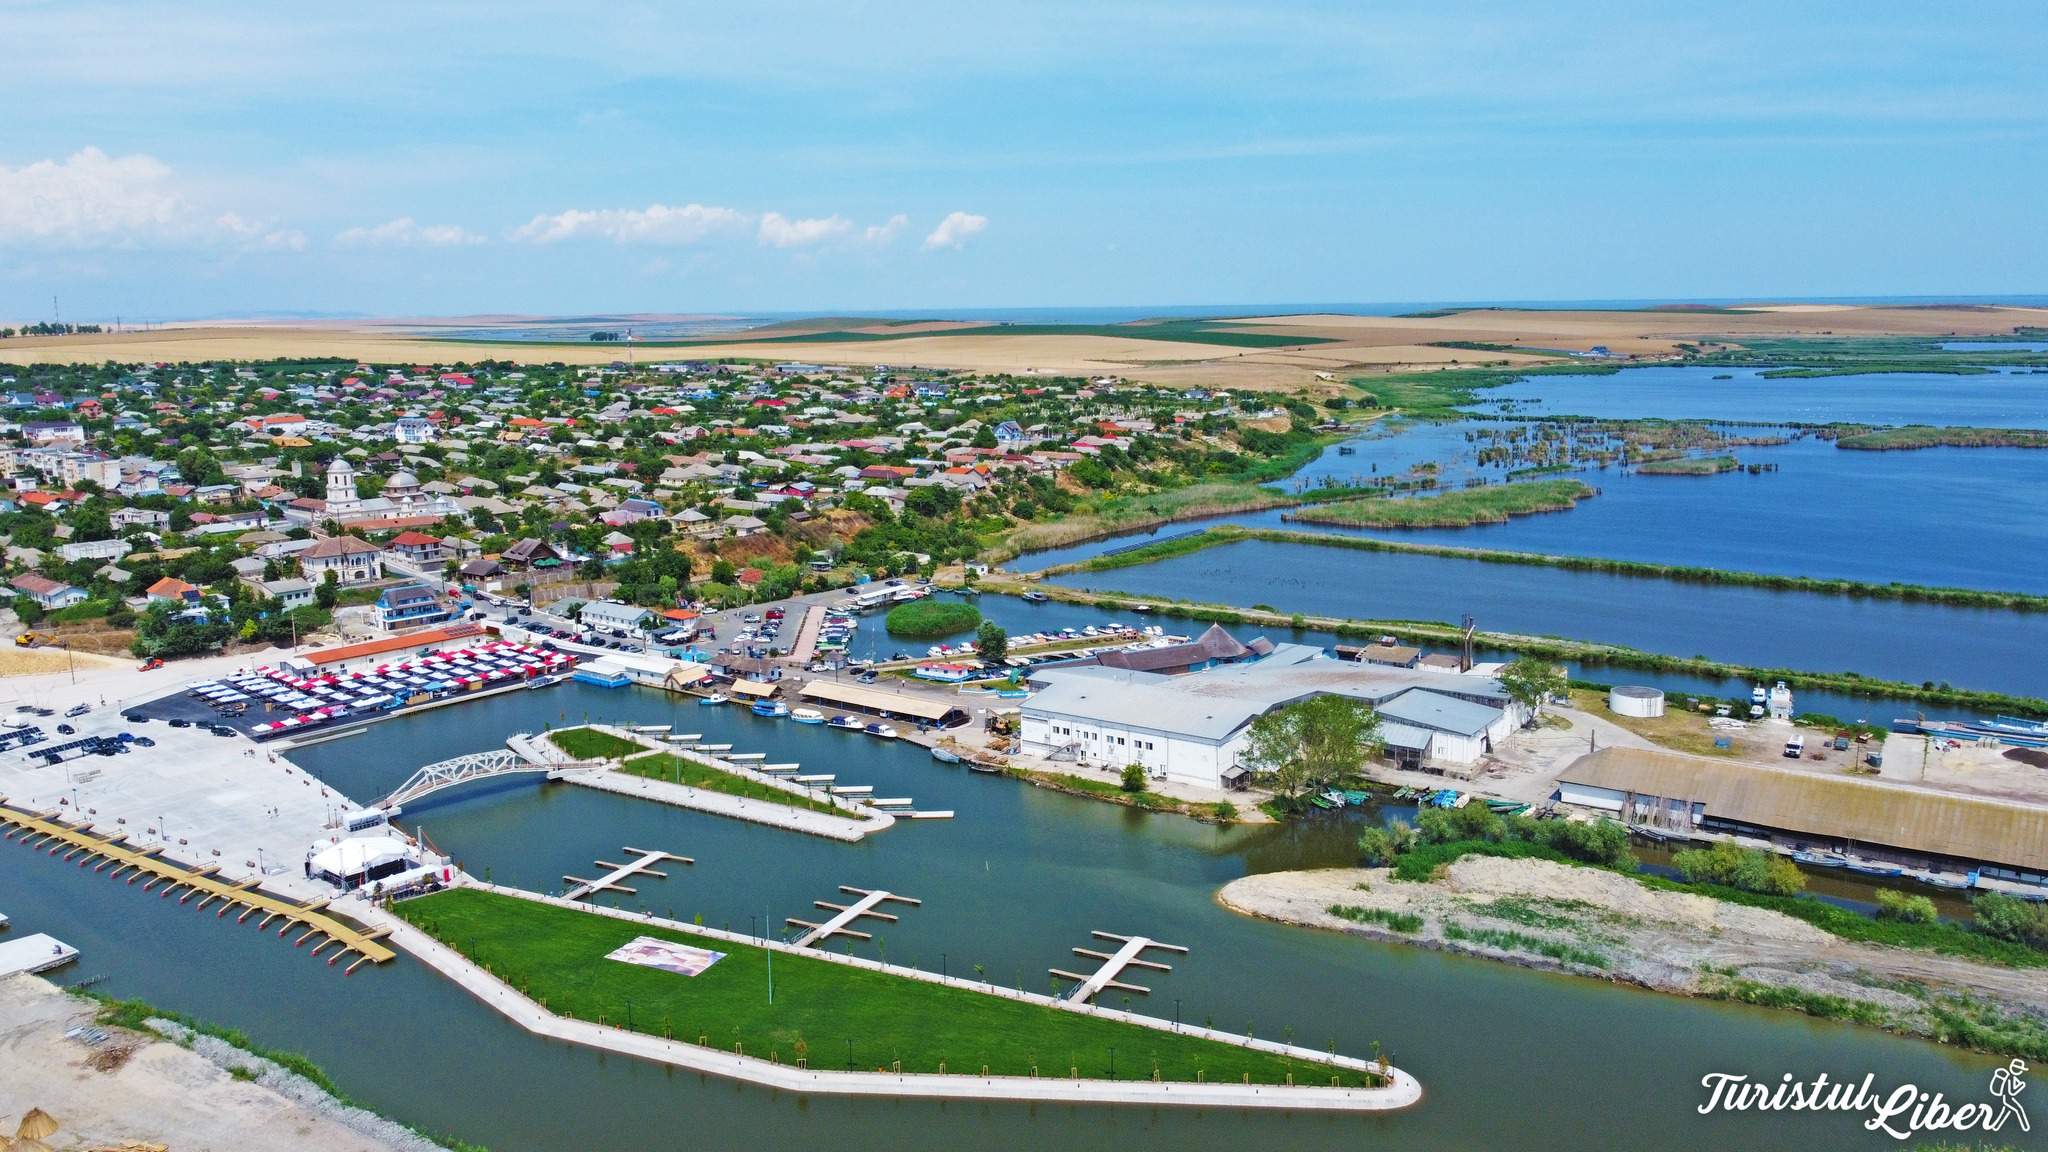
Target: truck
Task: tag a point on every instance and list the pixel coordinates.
(1795, 747)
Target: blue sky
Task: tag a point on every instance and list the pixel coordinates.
(433, 158)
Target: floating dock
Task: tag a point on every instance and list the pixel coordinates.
(643, 862)
(115, 857)
(34, 953)
(845, 914)
(1127, 955)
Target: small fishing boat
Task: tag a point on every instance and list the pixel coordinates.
(843, 722)
(1322, 800)
(714, 698)
(984, 769)
(944, 756)
(1037, 597)
(1141, 607)
(1648, 833)
(1820, 859)
(771, 709)
(1351, 797)
(881, 730)
(1957, 883)
(1404, 793)
(807, 716)
(1863, 869)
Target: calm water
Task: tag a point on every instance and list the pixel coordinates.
(1969, 647)
(2005, 398)
(1011, 884)
(1995, 346)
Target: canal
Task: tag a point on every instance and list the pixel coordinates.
(1507, 1056)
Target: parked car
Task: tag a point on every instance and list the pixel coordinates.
(179, 722)
(66, 730)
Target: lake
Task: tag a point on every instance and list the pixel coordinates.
(1011, 884)
(1974, 648)
(2002, 398)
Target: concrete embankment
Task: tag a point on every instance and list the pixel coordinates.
(1402, 1092)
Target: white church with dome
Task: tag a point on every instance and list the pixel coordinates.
(402, 500)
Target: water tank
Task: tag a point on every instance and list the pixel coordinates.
(1635, 700)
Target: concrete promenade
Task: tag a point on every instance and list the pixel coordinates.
(1402, 1092)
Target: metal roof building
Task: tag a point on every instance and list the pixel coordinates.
(1803, 809)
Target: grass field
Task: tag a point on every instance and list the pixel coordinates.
(590, 744)
(837, 1015)
(676, 770)
(1924, 436)
(1489, 505)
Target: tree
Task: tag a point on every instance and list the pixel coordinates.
(328, 591)
(1133, 778)
(1313, 745)
(992, 642)
(1530, 680)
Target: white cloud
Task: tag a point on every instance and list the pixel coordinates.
(886, 232)
(654, 224)
(93, 200)
(954, 230)
(90, 199)
(406, 232)
(779, 231)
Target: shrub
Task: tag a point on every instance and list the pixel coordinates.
(1377, 847)
(1747, 869)
(1904, 907)
(2011, 918)
(1134, 778)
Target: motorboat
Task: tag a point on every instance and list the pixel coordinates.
(843, 722)
(945, 756)
(714, 698)
(881, 730)
(771, 709)
(807, 716)
(1037, 597)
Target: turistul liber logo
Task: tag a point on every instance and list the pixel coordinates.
(1904, 1112)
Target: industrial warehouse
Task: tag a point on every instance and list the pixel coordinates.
(1820, 819)
(1191, 726)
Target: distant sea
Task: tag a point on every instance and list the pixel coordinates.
(580, 327)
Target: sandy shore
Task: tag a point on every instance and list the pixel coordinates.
(111, 1086)
(1596, 923)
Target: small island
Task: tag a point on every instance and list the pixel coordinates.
(1490, 505)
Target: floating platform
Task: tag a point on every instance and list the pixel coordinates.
(34, 953)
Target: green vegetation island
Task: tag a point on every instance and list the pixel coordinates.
(1688, 466)
(1492, 504)
(929, 618)
(1927, 436)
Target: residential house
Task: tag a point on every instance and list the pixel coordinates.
(50, 594)
(411, 606)
(351, 559)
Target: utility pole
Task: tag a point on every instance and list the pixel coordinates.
(771, 954)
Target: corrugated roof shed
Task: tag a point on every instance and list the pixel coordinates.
(1828, 806)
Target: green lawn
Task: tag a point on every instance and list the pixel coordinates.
(558, 955)
(676, 770)
(590, 744)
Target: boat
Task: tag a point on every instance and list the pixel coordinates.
(1863, 869)
(1037, 597)
(1322, 800)
(985, 769)
(1335, 798)
(1506, 805)
(714, 698)
(881, 730)
(945, 756)
(843, 722)
(772, 709)
(1937, 880)
(1141, 607)
(807, 716)
(1404, 793)
(1820, 859)
(1648, 833)
(1351, 797)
